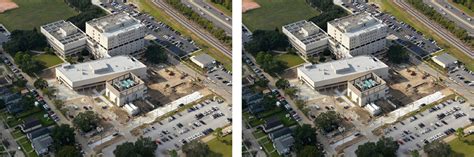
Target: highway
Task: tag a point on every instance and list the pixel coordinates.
(436, 28)
(192, 27)
(208, 11)
(453, 14)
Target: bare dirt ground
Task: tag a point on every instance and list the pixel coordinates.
(7, 5)
(248, 5)
(168, 84)
(410, 84)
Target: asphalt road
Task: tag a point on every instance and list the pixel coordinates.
(187, 119)
(193, 27)
(166, 36)
(436, 28)
(211, 13)
(417, 134)
(452, 13)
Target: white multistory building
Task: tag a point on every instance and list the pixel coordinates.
(366, 89)
(306, 37)
(336, 73)
(96, 73)
(125, 89)
(357, 34)
(115, 34)
(65, 38)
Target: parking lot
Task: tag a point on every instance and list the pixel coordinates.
(462, 76)
(185, 126)
(407, 35)
(164, 34)
(430, 125)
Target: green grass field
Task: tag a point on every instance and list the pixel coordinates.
(221, 148)
(291, 60)
(50, 60)
(393, 9)
(463, 147)
(34, 13)
(276, 13)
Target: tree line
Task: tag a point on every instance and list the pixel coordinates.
(87, 10)
(467, 3)
(446, 23)
(329, 12)
(226, 3)
(206, 24)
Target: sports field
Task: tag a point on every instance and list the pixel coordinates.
(34, 13)
(276, 13)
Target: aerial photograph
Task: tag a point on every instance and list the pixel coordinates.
(357, 78)
(124, 78)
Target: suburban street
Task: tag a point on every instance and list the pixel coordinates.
(452, 13)
(193, 27)
(436, 28)
(211, 13)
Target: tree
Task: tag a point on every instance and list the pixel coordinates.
(397, 54)
(460, 133)
(63, 135)
(291, 91)
(27, 64)
(437, 149)
(282, 83)
(49, 91)
(267, 40)
(27, 102)
(86, 121)
(261, 83)
(24, 40)
(304, 135)
(141, 148)
(269, 63)
(68, 151)
(2, 104)
(385, 147)
(310, 151)
(156, 54)
(218, 133)
(40, 83)
(328, 121)
(198, 149)
(329, 12)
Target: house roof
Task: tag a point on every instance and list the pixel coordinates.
(280, 133)
(272, 122)
(283, 144)
(29, 123)
(41, 144)
(38, 133)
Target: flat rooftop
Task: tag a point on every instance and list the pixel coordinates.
(367, 82)
(445, 58)
(306, 31)
(115, 23)
(64, 31)
(98, 68)
(341, 68)
(125, 82)
(203, 58)
(357, 23)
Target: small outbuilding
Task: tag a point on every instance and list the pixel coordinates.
(445, 60)
(203, 60)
